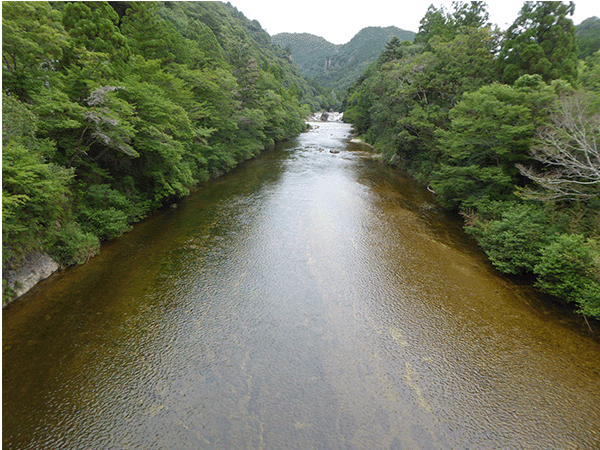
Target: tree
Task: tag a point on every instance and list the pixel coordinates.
(113, 108)
(541, 41)
(34, 191)
(209, 50)
(98, 49)
(109, 124)
(33, 41)
(568, 268)
(515, 240)
(151, 36)
(444, 25)
(94, 25)
(431, 85)
(491, 131)
(568, 150)
(470, 14)
(589, 74)
(435, 22)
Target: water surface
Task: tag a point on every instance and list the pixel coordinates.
(311, 299)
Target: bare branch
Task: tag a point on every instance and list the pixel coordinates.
(568, 148)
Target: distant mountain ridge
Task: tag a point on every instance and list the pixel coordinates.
(588, 37)
(338, 66)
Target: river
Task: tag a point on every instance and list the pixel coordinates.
(314, 298)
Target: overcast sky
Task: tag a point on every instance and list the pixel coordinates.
(338, 21)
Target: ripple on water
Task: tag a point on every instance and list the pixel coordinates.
(309, 300)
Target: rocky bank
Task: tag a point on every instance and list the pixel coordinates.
(35, 268)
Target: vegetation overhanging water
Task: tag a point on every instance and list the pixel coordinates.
(313, 298)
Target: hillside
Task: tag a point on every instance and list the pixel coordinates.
(236, 34)
(337, 66)
(111, 110)
(481, 122)
(588, 37)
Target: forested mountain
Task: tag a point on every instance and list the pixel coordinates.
(505, 128)
(588, 37)
(337, 66)
(113, 109)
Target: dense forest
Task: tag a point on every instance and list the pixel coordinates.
(337, 67)
(504, 127)
(113, 109)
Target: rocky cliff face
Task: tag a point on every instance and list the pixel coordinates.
(36, 267)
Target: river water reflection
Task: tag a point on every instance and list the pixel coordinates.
(312, 299)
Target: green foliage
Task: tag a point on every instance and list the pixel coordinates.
(588, 37)
(71, 245)
(333, 66)
(515, 240)
(589, 72)
(32, 41)
(94, 26)
(438, 109)
(33, 190)
(435, 22)
(466, 185)
(470, 14)
(395, 49)
(490, 133)
(399, 104)
(149, 35)
(569, 269)
(108, 114)
(445, 26)
(106, 212)
(541, 41)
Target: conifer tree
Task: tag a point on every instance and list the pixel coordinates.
(541, 41)
(33, 41)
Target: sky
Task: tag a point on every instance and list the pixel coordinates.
(339, 21)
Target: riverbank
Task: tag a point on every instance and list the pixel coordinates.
(256, 310)
(36, 266)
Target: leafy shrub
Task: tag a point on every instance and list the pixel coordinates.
(71, 245)
(34, 191)
(104, 223)
(568, 269)
(106, 212)
(514, 242)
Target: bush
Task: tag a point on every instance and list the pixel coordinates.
(514, 242)
(71, 245)
(106, 212)
(568, 269)
(104, 223)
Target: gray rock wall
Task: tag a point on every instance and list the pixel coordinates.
(37, 267)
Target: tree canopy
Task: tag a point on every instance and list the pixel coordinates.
(503, 127)
(109, 113)
(541, 41)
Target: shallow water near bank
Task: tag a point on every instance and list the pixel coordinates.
(313, 298)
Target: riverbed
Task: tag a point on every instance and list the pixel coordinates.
(313, 298)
